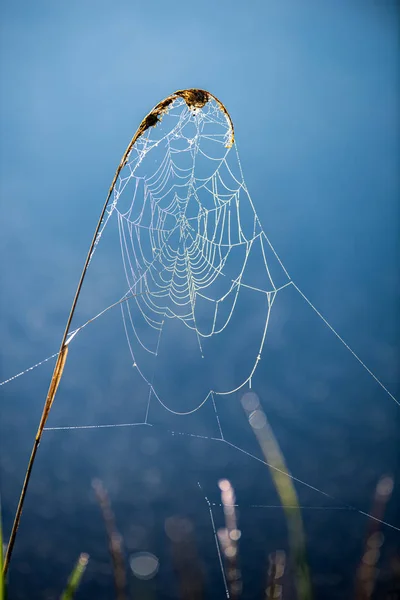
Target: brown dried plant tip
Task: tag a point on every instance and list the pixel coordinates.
(194, 98)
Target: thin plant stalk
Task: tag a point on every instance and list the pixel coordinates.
(276, 569)
(228, 538)
(114, 538)
(194, 98)
(367, 570)
(2, 577)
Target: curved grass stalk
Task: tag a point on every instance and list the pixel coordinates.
(194, 98)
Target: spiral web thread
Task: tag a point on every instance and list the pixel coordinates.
(187, 231)
(181, 232)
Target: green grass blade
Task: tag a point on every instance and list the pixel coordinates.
(286, 491)
(75, 577)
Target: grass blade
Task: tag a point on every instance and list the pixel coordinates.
(75, 577)
(286, 491)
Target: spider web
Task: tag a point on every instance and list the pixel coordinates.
(191, 245)
(196, 262)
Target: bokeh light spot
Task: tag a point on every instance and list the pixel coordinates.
(144, 565)
(250, 401)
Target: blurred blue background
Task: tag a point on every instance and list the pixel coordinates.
(313, 91)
